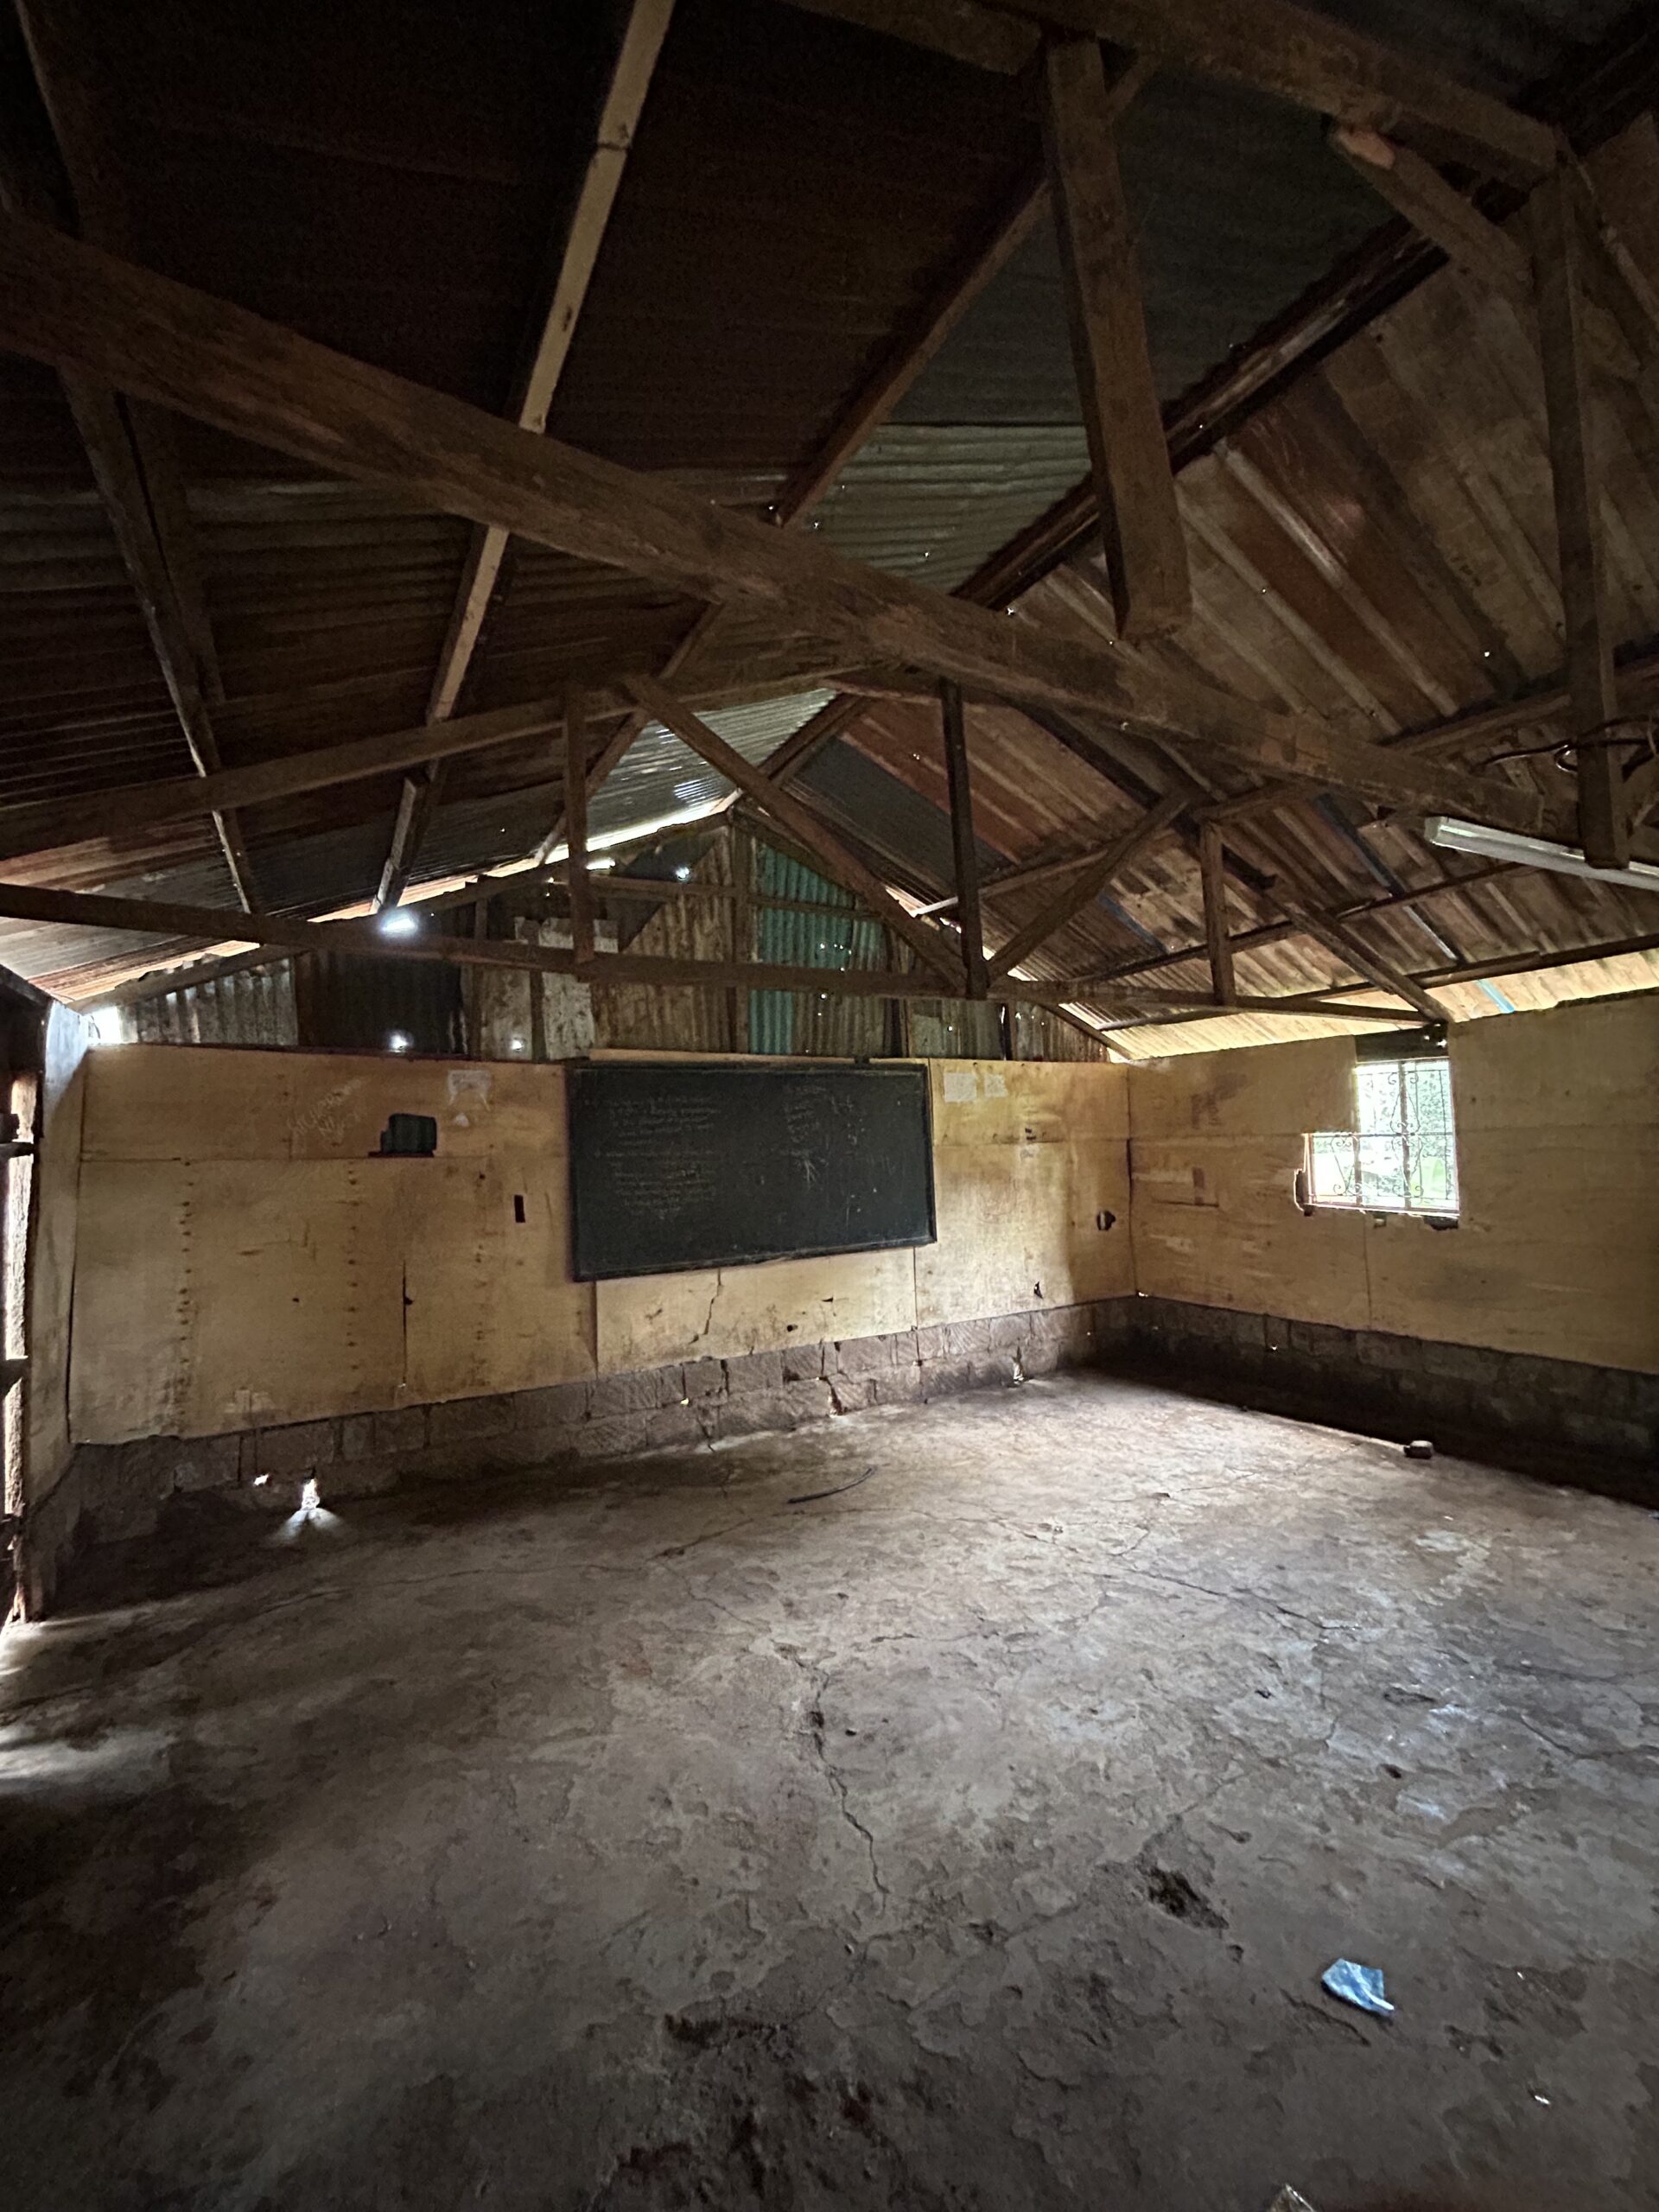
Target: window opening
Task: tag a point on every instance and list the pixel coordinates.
(1401, 1156)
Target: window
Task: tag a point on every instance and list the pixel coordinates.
(1401, 1156)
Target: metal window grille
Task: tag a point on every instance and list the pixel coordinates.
(1401, 1156)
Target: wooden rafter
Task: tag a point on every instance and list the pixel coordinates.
(576, 806)
(642, 40)
(827, 850)
(130, 446)
(1264, 934)
(35, 827)
(1212, 879)
(280, 935)
(63, 302)
(1086, 883)
(1315, 62)
(1146, 556)
(963, 845)
(1558, 259)
(1483, 250)
(1293, 53)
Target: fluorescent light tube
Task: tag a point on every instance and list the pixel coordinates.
(1531, 852)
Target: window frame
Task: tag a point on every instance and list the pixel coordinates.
(1405, 1208)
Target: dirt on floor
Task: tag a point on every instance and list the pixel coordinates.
(953, 1806)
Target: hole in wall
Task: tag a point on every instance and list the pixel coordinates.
(518, 1205)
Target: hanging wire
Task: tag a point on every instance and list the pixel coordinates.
(1624, 729)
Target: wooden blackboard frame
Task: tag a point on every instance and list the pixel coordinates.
(595, 1089)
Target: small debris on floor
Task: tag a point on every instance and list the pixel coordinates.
(1357, 1984)
(1420, 1448)
(1290, 2200)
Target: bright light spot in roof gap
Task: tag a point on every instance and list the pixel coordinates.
(399, 921)
(518, 1044)
(684, 875)
(398, 1041)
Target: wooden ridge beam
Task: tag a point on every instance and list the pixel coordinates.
(827, 849)
(66, 303)
(1140, 528)
(1086, 883)
(625, 97)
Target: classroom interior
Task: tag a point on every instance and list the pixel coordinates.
(830, 1021)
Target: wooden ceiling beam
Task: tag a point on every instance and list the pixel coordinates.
(1087, 882)
(1638, 679)
(41, 826)
(583, 233)
(1314, 62)
(1140, 528)
(963, 845)
(1483, 250)
(827, 849)
(1212, 880)
(64, 302)
(1265, 934)
(131, 448)
(281, 937)
(1558, 264)
(35, 828)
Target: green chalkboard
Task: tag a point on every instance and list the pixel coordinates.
(677, 1164)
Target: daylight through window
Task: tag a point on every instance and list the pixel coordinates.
(1401, 1156)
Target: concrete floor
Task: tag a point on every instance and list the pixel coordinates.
(973, 1838)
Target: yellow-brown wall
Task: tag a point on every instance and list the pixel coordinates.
(243, 1261)
(1557, 1249)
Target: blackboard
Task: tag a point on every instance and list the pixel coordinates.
(676, 1165)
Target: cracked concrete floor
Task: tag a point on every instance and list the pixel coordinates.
(975, 1837)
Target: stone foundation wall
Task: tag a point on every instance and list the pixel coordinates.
(1595, 1425)
(1598, 1427)
(112, 1492)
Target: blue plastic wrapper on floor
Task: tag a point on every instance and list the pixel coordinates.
(1357, 1984)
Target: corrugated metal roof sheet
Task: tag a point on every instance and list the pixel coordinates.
(932, 502)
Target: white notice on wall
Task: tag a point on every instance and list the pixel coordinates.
(961, 1084)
